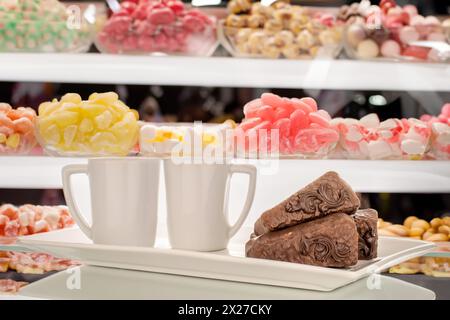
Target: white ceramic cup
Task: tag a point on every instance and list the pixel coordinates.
(197, 204)
(124, 200)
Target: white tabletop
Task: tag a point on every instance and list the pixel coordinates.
(89, 282)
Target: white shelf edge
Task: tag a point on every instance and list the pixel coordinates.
(33, 172)
(224, 72)
(30, 172)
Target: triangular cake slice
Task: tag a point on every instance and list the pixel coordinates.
(326, 195)
(328, 242)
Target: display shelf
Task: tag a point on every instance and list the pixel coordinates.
(33, 172)
(224, 71)
(363, 175)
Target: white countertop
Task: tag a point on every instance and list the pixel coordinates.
(108, 283)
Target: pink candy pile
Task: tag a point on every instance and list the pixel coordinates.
(303, 129)
(444, 117)
(29, 219)
(143, 26)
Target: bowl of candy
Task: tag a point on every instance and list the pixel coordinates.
(284, 127)
(391, 32)
(281, 30)
(370, 138)
(100, 126)
(43, 26)
(17, 130)
(155, 27)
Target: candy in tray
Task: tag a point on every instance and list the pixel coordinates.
(101, 125)
(43, 26)
(158, 27)
(17, 130)
(281, 30)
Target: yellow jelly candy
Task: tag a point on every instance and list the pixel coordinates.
(51, 135)
(86, 125)
(136, 114)
(103, 120)
(47, 108)
(93, 96)
(64, 118)
(101, 140)
(101, 124)
(69, 134)
(71, 97)
(69, 106)
(120, 107)
(128, 123)
(104, 98)
(2, 138)
(13, 140)
(91, 110)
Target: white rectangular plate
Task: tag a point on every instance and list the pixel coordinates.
(224, 265)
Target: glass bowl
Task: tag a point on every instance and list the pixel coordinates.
(32, 32)
(307, 144)
(17, 130)
(142, 38)
(410, 43)
(317, 42)
(86, 149)
(100, 126)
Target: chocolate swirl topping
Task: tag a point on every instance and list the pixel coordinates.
(321, 248)
(328, 194)
(325, 198)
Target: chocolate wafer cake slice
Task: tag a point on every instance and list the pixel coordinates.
(326, 195)
(331, 241)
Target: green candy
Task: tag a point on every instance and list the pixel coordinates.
(21, 28)
(35, 29)
(31, 44)
(32, 6)
(31, 16)
(10, 28)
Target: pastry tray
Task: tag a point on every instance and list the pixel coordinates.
(230, 264)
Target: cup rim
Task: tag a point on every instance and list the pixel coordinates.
(123, 159)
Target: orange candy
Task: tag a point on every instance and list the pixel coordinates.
(16, 129)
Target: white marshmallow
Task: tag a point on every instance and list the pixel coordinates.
(379, 150)
(370, 121)
(353, 134)
(410, 146)
(388, 124)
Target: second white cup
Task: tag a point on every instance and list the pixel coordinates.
(197, 204)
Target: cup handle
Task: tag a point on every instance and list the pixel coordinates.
(251, 171)
(67, 171)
